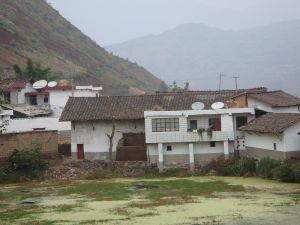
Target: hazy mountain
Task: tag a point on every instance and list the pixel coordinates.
(32, 28)
(263, 56)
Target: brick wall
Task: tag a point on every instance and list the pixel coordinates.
(46, 140)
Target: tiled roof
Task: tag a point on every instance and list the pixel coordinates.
(133, 107)
(12, 84)
(276, 98)
(272, 122)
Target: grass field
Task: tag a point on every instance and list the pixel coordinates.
(194, 200)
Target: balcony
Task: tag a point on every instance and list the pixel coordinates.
(177, 137)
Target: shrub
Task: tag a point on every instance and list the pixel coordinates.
(288, 172)
(3, 174)
(28, 162)
(248, 166)
(267, 167)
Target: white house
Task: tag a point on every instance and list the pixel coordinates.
(269, 101)
(192, 136)
(276, 135)
(92, 118)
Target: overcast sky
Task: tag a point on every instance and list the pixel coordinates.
(114, 21)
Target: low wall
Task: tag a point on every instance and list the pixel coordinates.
(46, 140)
(131, 153)
(260, 153)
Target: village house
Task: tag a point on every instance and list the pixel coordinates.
(92, 118)
(275, 135)
(40, 109)
(172, 131)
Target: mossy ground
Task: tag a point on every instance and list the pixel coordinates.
(194, 200)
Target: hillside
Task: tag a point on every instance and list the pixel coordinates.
(263, 56)
(33, 29)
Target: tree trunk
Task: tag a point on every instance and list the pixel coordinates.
(111, 139)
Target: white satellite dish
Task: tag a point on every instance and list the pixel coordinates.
(198, 106)
(217, 105)
(52, 84)
(40, 84)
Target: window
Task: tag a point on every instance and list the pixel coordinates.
(165, 125)
(240, 121)
(193, 125)
(46, 99)
(215, 124)
(275, 146)
(169, 148)
(212, 144)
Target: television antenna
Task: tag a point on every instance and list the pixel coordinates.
(40, 84)
(217, 105)
(52, 84)
(198, 106)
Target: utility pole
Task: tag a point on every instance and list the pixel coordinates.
(220, 81)
(236, 81)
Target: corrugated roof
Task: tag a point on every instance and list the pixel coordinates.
(133, 107)
(276, 98)
(272, 123)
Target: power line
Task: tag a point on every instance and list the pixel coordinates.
(236, 82)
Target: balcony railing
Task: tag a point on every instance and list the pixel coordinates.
(167, 137)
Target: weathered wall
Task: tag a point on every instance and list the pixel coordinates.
(93, 136)
(180, 152)
(264, 141)
(46, 140)
(23, 125)
(292, 138)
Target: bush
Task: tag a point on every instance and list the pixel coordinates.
(3, 174)
(288, 172)
(267, 167)
(247, 166)
(28, 162)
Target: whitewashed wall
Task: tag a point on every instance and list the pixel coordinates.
(292, 138)
(253, 103)
(21, 125)
(264, 141)
(58, 99)
(93, 134)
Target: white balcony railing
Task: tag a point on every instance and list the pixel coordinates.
(176, 137)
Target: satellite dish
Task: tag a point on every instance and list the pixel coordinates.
(198, 106)
(40, 84)
(52, 84)
(217, 105)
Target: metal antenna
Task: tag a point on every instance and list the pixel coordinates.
(236, 81)
(220, 81)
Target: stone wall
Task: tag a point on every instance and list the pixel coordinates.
(47, 141)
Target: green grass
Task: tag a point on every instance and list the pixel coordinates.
(188, 188)
(100, 191)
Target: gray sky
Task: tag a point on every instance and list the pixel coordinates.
(114, 21)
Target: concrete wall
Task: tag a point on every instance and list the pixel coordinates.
(264, 141)
(46, 140)
(26, 124)
(93, 136)
(292, 138)
(180, 152)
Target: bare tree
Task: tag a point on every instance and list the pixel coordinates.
(111, 139)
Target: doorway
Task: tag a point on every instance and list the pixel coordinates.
(80, 152)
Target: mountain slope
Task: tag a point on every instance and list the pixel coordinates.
(32, 28)
(267, 56)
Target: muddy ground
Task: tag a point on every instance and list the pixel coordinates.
(191, 201)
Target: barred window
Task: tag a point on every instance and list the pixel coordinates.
(165, 125)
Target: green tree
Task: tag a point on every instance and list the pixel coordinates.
(33, 71)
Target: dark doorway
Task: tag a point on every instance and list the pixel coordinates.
(80, 151)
